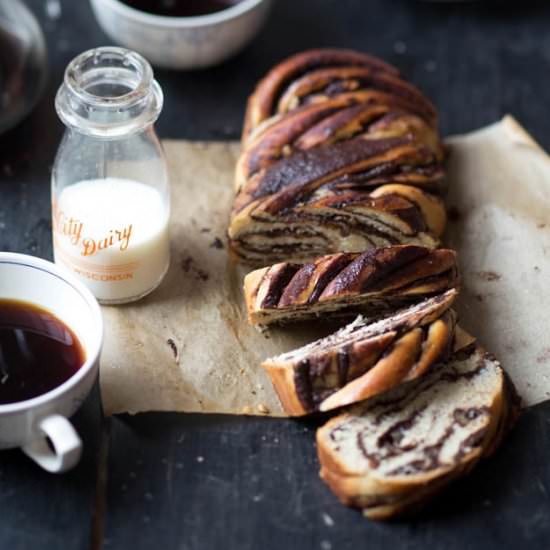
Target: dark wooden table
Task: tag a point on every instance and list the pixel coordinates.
(187, 482)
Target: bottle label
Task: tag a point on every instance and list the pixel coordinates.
(82, 252)
(73, 230)
(113, 234)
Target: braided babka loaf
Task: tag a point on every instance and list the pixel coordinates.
(339, 154)
(364, 359)
(393, 452)
(375, 281)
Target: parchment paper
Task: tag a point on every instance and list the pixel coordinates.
(499, 203)
(188, 347)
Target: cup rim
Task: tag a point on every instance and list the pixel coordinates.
(92, 353)
(146, 18)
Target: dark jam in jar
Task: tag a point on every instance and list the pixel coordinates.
(38, 352)
(181, 8)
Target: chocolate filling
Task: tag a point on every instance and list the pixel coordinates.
(278, 283)
(302, 383)
(282, 133)
(342, 358)
(381, 262)
(307, 371)
(302, 279)
(272, 88)
(390, 441)
(328, 275)
(304, 167)
(362, 115)
(378, 81)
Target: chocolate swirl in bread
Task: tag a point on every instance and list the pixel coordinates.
(394, 451)
(339, 155)
(364, 359)
(374, 281)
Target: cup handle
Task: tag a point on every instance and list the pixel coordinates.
(67, 445)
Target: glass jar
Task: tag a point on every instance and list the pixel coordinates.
(110, 189)
(23, 65)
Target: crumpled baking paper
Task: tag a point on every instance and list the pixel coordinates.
(188, 347)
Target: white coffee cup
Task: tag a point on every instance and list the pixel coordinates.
(30, 424)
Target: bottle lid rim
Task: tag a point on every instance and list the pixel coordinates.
(91, 59)
(77, 106)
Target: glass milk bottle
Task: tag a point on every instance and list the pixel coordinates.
(110, 191)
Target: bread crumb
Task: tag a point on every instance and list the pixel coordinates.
(328, 521)
(173, 347)
(217, 243)
(187, 264)
(246, 410)
(489, 275)
(262, 329)
(263, 409)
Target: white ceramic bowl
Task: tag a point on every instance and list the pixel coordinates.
(182, 42)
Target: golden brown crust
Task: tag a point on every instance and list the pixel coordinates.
(263, 103)
(284, 384)
(381, 278)
(393, 504)
(431, 206)
(324, 130)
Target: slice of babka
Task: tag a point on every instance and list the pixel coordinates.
(390, 453)
(364, 359)
(371, 282)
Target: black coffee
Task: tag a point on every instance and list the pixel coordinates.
(181, 8)
(38, 352)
